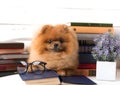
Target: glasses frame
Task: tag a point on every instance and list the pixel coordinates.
(30, 65)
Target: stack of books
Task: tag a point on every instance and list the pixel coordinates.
(10, 53)
(86, 32)
(87, 64)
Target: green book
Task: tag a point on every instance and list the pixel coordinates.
(91, 24)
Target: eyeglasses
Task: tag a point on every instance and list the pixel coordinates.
(38, 67)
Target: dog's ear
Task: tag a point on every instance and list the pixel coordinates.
(66, 29)
(45, 28)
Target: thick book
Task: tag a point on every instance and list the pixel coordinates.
(8, 67)
(87, 66)
(48, 77)
(11, 45)
(91, 30)
(91, 24)
(8, 51)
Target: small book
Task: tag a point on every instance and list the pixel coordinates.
(49, 77)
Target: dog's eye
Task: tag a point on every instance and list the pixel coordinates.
(49, 41)
(61, 40)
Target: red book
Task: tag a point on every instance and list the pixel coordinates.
(7, 67)
(87, 66)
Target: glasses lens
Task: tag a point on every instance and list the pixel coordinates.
(38, 67)
(22, 67)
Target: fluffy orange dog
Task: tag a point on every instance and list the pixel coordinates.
(58, 47)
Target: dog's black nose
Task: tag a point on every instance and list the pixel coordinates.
(55, 45)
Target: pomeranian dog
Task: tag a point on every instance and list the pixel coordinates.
(58, 47)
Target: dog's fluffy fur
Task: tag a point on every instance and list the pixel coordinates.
(57, 46)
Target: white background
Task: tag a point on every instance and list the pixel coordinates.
(20, 18)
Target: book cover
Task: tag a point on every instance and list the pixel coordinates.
(77, 80)
(11, 45)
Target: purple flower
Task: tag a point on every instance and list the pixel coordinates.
(107, 47)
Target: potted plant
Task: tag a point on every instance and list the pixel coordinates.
(106, 51)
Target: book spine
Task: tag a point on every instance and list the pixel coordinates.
(87, 66)
(14, 56)
(86, 72)
(86, 59)
(91, 24)
(91, 30)
(86, 46)
(6, 51)
(7, 67)
(11, 45)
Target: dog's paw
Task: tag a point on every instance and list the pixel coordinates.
(67, 72)
(61, 72)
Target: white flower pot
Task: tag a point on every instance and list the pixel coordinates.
(106, 70)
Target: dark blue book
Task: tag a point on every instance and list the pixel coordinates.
(49, 77)
(86, 58)
(33, 76)
(77, 80)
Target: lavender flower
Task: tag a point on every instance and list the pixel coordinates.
(107, 47)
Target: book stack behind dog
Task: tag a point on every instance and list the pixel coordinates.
(10, 52)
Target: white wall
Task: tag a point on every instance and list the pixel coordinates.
(20, 18)
(59, 11)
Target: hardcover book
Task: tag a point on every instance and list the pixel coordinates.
(8, 51)
(91, 30)
(14, 56)
(7, 67)
(91, 24)
(49, 77)
(11, 45)
(86, 59)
